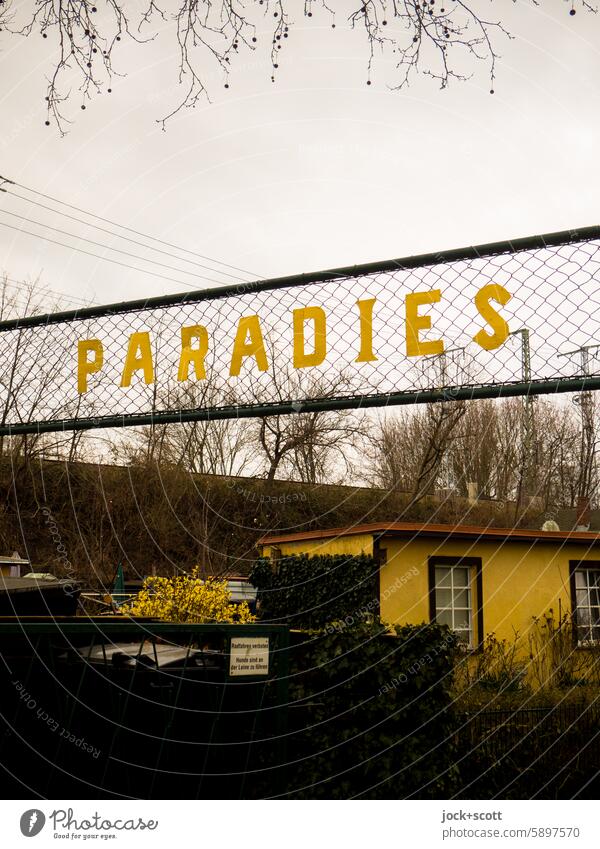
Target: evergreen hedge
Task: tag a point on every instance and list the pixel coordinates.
(310, 591)
(371, 713)
(370, 706)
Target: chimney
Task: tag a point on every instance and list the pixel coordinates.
(582, 522)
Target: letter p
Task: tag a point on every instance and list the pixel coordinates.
(86, 366)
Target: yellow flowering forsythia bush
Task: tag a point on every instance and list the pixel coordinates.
(186, 598)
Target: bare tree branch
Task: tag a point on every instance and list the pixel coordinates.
(434, 37)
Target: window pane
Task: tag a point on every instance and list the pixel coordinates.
(442, 576)
(583, 616)
(594, 597)
(464, 636)
(580, 578)
(460, 576)
(462, 598)
(594, 579)
(444, 617)
(461, 620)
(443, 598)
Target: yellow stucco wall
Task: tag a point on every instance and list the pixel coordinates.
(520, 580)
(351, 544)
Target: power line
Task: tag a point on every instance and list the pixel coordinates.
(105, 247)
(64, 296)
(96, 256)
(117, 235)
(123, 227)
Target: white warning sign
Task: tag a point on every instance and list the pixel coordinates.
(249, 656)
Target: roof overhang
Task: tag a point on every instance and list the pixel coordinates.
(408, 530)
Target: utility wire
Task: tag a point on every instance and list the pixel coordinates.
(6, 181)
(118, 235)
(96, 256)
(64, 296)
(105, 247)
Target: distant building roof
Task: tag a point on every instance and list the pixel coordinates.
(414, 529)
(13, 559)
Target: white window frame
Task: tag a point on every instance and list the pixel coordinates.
(472, 566)
(588, 589)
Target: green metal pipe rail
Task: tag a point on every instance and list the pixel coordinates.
(360, 402)
(142, 629)
(561, 237)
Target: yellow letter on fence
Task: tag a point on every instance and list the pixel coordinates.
(86, 367)
(138, 358)
(415, 323)
(254, 347)
(301, 358)
(492, 292)
(193, 355)
(365, 308)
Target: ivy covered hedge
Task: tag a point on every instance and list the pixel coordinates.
(371, 713)
(369, 705)
(309, 592)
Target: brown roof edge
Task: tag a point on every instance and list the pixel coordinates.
(429, 530)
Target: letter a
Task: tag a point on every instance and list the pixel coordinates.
(255, 347)
(138, 358)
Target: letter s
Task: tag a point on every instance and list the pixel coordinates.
(492, 292)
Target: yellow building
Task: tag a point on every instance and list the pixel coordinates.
(476, 580)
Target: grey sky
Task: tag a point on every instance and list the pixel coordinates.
(316, 170)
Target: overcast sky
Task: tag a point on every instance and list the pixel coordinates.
(314, 171)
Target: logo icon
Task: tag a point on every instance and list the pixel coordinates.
(32, 822)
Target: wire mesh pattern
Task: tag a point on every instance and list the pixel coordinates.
(552, 282)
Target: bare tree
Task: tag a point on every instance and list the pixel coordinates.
(25, 390)
(439, 426)
(474, 456)
(86, 37)
(311, 446)
(409, 448)
(557, 455)
(205, 447)
(392, 455)
(481, 444)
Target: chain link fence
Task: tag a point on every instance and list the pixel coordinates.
(345, 338)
